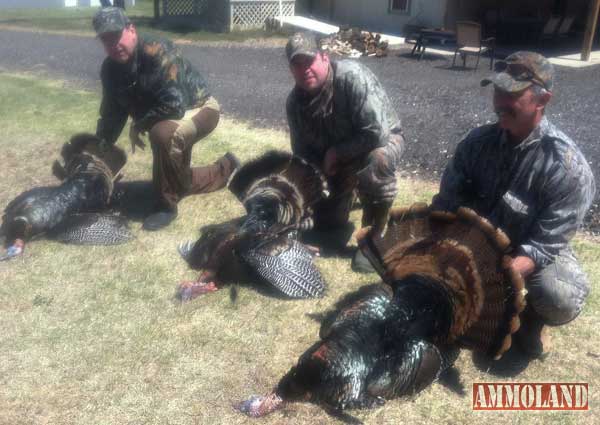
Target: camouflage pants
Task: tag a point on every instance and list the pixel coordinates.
(172, 142)
(373, 177)
(557, 292)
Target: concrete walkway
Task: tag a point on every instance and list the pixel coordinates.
(569, 61)
(320, 27)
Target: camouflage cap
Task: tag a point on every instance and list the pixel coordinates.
(110, 19)
(521, 70)
(301, 43)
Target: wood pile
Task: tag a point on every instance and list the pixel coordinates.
(354, 43)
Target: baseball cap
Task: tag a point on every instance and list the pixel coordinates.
(110, 19)
(301, 43)
(520, 70)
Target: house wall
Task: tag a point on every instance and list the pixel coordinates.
(303, 7)
(321, 8)
(6, 4)
(95, 3)
(30, 4)
(374, 15)
(486, 10)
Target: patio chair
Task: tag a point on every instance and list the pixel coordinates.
(469, 42)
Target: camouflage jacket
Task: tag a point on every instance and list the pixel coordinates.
(157, 84)
(538, 191)
(361, 117)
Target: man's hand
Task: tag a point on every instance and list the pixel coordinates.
(330, 162)
(134, 137)
(524, 265)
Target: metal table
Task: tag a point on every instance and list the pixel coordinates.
(431, 34)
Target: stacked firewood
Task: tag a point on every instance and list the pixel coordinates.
(355, 43)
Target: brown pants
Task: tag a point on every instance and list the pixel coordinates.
(172, 142)
(373, 177)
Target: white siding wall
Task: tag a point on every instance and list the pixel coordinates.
(374, 15)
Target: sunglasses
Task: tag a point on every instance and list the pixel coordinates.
(519, 72)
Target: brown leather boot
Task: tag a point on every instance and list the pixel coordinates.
(215, 176)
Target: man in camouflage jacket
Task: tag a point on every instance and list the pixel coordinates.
(148, 79)
(531, 180)
(342, 121)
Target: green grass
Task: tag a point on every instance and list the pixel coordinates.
(78, 20)
(92, 335)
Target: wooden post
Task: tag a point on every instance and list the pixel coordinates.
(590, 30)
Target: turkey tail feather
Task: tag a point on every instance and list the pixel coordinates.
(288, 268)
(467, 254)
(302, 176)
(92, 229)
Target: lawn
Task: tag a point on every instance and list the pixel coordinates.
(93, 335)
(78, 20)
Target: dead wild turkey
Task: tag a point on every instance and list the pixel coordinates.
(278, 191)
(67, 212)
(447, 285)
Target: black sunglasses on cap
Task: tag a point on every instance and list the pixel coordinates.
(519, 72)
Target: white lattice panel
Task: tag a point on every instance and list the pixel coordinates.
(255, 13)
(184, 7)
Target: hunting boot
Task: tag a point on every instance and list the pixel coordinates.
(377, 216)
(533, 336)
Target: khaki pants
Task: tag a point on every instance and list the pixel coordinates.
(172, 142)
(373, 177)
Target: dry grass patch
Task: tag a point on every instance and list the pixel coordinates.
(92, 335)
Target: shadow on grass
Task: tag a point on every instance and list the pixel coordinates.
(450, 379)
(511, 364)
(135, 199)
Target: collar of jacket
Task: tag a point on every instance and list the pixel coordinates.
(538, 133)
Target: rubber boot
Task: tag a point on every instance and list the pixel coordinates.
(377, 216)
(533, 336)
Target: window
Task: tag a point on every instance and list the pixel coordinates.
(400, 6)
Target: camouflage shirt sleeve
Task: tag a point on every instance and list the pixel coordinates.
(366, 110)
(168, 93)
(568, 195)
(298, 148)
(113, 115)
